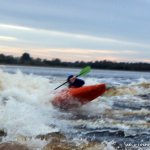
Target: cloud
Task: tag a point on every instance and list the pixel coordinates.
(89, 51)
(7, 38)
(38, 43)
(15, 27)
(75, 36)
(146, 60)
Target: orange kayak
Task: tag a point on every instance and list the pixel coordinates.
(71, 97)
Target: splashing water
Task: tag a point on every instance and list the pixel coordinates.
(121, 115)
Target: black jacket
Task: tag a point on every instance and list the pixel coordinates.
(77, 83)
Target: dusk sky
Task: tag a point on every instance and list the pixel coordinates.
(71, 30)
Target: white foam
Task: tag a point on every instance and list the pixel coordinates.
(97, 107)
(25, 105)
(26, 109)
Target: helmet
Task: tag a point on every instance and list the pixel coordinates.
(69, 77)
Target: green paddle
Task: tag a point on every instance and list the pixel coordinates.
(83, 72)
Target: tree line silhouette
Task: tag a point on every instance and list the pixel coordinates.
(26, 59)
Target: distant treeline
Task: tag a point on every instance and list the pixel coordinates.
(26, 59)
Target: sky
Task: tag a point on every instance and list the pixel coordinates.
(71, 30)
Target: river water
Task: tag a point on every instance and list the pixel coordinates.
(120, 119)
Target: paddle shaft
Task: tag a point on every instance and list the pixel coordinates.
(66, 82)
(82, 72)
(61, 85)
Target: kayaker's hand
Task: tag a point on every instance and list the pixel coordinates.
(72, 80)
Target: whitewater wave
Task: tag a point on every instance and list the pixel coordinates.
(27, 113)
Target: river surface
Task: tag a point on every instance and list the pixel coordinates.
(120, 119)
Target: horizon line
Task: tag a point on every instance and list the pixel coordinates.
(107, 60)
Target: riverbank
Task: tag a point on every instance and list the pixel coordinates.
(27, 60)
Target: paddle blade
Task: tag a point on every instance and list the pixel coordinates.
(84, 71)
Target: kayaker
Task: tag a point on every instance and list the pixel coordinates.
(74, 82)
